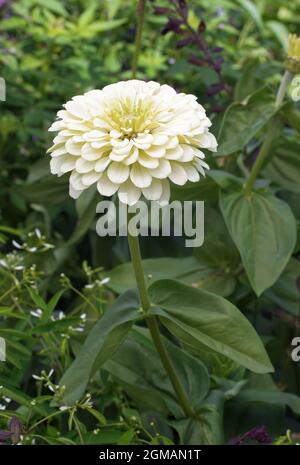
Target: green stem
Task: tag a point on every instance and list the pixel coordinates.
(138, 36)
(154, 328)
(264, 150)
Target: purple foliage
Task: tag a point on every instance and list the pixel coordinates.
(258, 434)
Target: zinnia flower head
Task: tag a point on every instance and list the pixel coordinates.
(133, 137)
(293, 58)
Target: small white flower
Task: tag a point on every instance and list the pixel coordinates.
(132, 137)
(89, 286)
(79, 329)
(105, 281)
(63, 408)
(37, 313)
(38, 233)
(16, 244)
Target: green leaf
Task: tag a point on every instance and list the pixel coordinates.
(280, 31)
(51, 305)
(101, 343)
(271, 397)
(253, 11)
(242, 121)
(284, 167)
(37, 299)
(285, 292)
(264, 231)
(198, 318)
(207, 430)
(101, 26)
(188, 270)
(101, 418)
(87, 16)
(138, 368)
(52, 5)
(22, 399)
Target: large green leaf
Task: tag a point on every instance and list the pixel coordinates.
(138, 368)
(271, 397)
(207, 430)
(264, 230)
(244, 119)
(198, 318)
(188, 270)
(284, 167)
(101, 343)
(285, 292)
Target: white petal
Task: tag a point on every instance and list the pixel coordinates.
(118, 172)
(56, 126)
(128, 193)
(175, 153)
(208, 141)
(140, 176)
(73, 147)
(84, 166)
(147, 161)
(106, 187)
(132, 158)
(55, 164)
(198, 153)
(77, 107)
(68, 164)
(201, 165)
(160, 139)
(90, 178)
(74, 193)
(191, 172)
(99, 144)
(163, 170)
(102, 164)
(165, 196)
(58, 151)
(156, 151)
(76, 181)
(178, 174)
(154, 191)
(172, 142)
(188, 153)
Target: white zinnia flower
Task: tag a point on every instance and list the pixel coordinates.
(133, 138)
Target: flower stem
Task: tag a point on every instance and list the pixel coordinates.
(154, 327)
(138, 36)
(264, 150)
